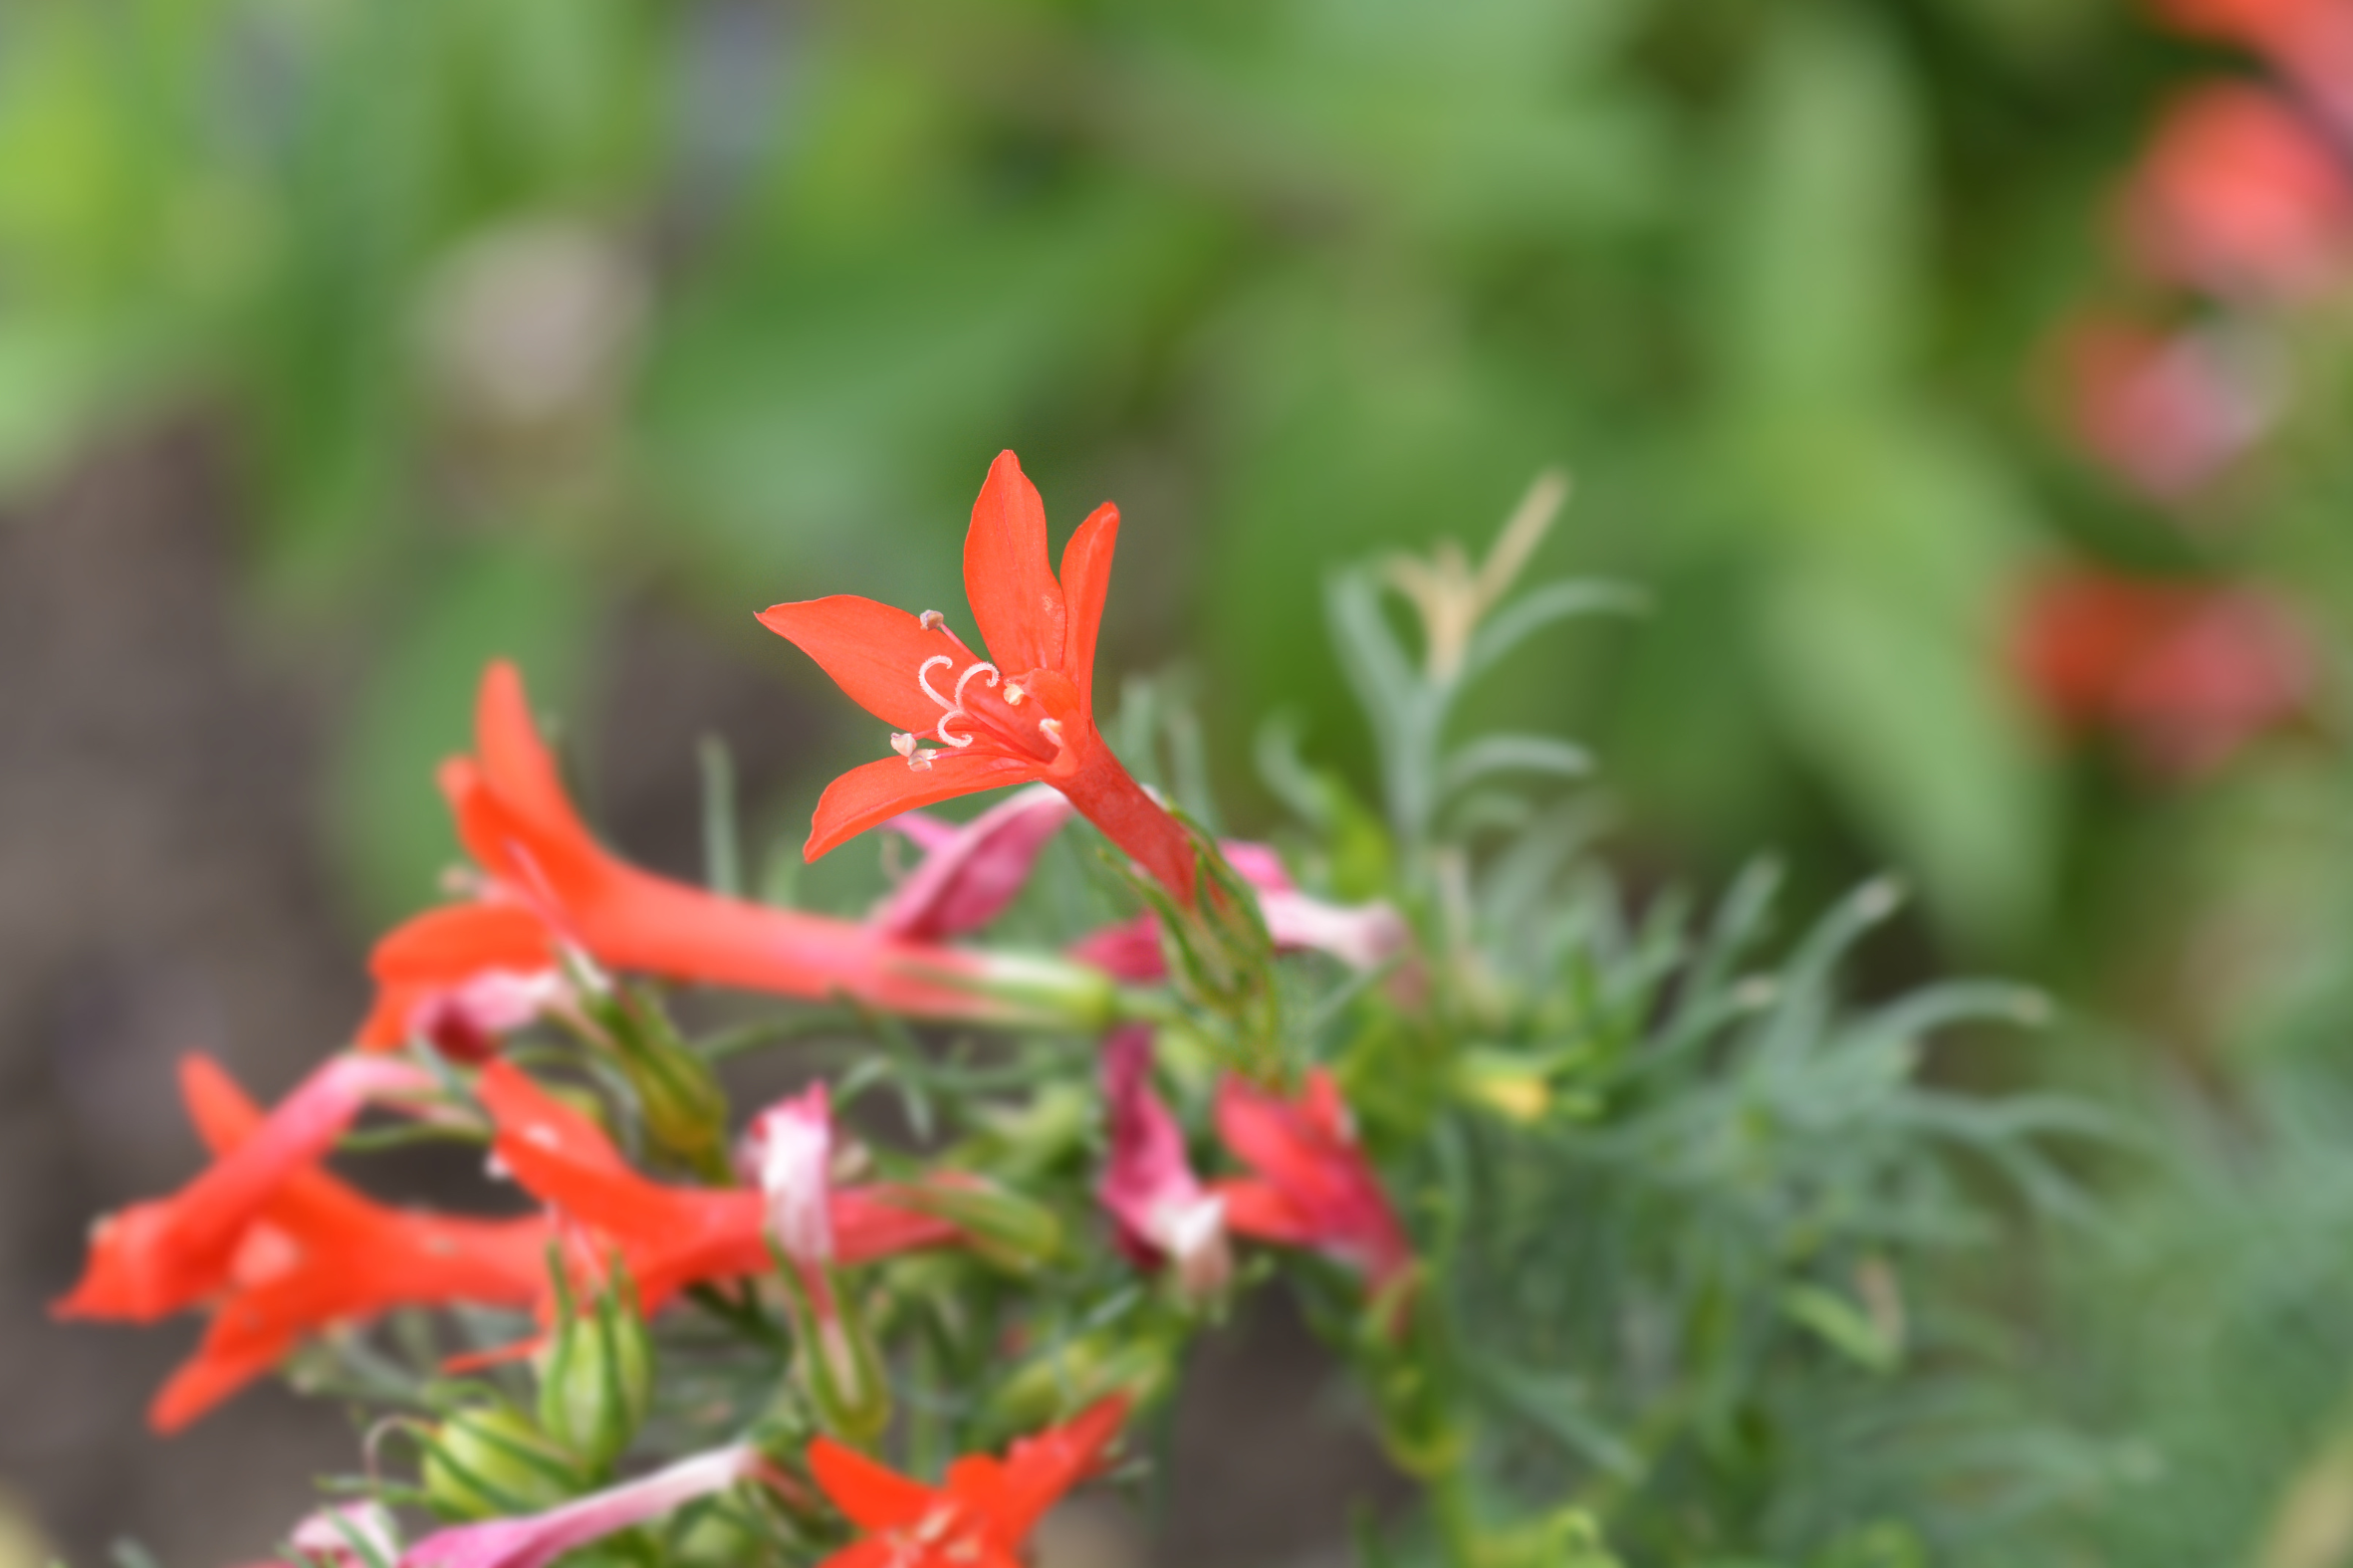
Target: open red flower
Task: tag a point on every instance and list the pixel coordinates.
(1315, 1187)
(155, 1257)
(459, 975)
(1022, 714)
(305, 1253)
(671, 1237)
(981, 1518)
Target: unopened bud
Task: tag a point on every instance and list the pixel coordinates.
(1053, 993)
(1006, 1231)
(596, 1374)
(489, 1461)
(839, 1367)
(1080, 1371)
(684, 1108)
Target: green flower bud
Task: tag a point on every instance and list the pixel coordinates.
(684, 1108)
(490, 1460)
(1049, 1387)
(1006, 1231)
(839, 1367)
(596, 1374)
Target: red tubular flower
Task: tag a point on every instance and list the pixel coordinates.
(155, 1257)
(540, 864)
(2241, 196)
(313, 1253)
(2188, 672)
(670, 1236)
(1315, 1187)
(1028, 716)
(1164, 1211)
(981, 1518)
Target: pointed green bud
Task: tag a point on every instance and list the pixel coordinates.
(596, 1373)
(489, 1461)
(1004, 1230)
(1050, 1386)
(839, 1368)
(684, 1108)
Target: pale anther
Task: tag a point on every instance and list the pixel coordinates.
(1014, 694)
(1052, 729)
(931, 620)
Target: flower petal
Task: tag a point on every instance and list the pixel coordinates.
(507, 744)
(1039, 1470)
(1015, 595)
(1087, 577)
(870, 795)
(875, 653)
(872, 1496)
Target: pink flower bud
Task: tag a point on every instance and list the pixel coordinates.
(971, 872)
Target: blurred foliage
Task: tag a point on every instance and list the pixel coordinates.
(508, 307)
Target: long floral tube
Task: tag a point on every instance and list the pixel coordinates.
(538, 1539)
(547, 886)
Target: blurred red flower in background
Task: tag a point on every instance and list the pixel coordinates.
(2241, 196)
(2168, 412)
(2186, 673)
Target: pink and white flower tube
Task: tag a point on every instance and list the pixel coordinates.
(788, 1154)
(1164, 1211)
(535, 1540)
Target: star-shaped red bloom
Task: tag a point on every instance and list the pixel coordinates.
(1023, 714)
(981, 1518)
(285, 1250)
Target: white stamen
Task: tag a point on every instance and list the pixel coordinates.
(1014, 694)
(904, 744)
(963, 680)
(1052, 729)
(923, 677)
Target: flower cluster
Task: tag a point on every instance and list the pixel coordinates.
(524, 1016)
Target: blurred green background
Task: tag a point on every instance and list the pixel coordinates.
(502, 324)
